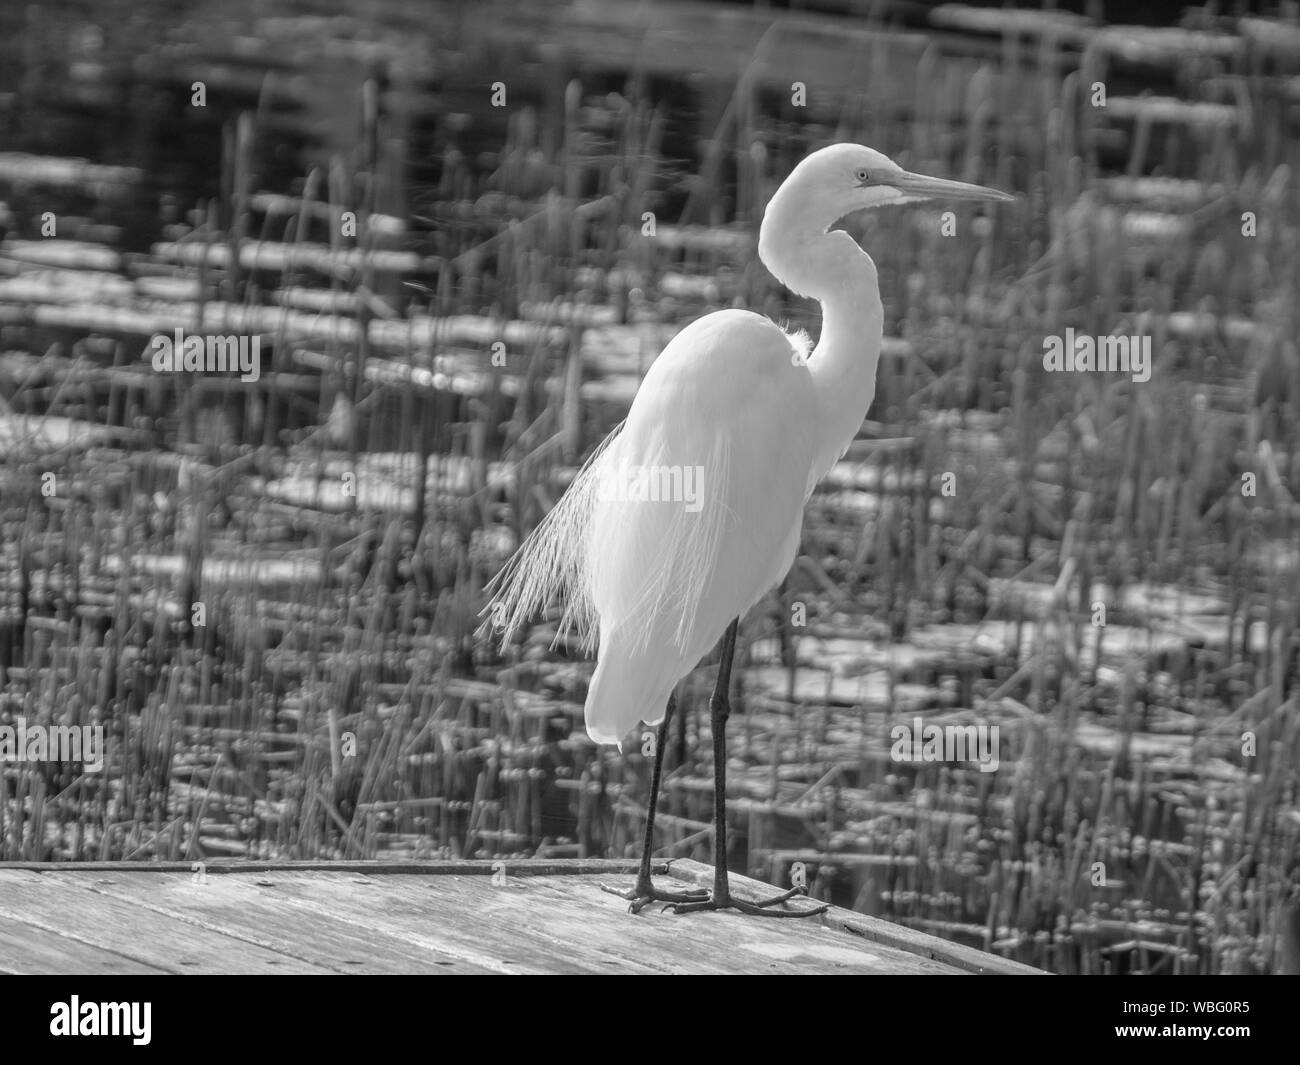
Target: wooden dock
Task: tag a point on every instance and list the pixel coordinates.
(423, 917)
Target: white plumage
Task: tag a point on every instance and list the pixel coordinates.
(735, 398)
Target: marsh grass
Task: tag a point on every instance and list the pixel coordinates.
(333, 701)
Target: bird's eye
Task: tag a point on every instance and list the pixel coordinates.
(862, 175)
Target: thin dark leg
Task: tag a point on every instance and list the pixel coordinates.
(720, 899)
(719, 711)
(644, 892)
(681, 736)
(656, 775)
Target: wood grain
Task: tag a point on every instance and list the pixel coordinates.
(425, 917)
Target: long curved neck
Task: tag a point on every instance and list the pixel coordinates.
(832, 269)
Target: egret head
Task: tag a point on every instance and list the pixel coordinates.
(843, 178)
(826, 187)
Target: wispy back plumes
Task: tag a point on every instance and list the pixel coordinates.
(547, 567)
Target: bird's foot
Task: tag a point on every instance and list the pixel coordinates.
(755, 909)
(643, 892)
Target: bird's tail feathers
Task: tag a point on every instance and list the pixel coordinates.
(552, 563)
(626, 687)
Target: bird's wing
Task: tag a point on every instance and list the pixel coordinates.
(682, 518)
(727, 412)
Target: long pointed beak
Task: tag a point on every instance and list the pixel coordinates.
(940, 188)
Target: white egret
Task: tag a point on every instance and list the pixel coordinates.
(691, 509)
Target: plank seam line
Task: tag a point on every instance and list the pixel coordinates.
(9, 915)
(207, 927)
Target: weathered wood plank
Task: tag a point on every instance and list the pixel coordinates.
(886, 933)
(512, 916)
(149, 938)
(585, 921)
(30, 950)
(468, 867)
(257, 911)
(509, 929)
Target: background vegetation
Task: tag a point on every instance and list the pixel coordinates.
(430, 383)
